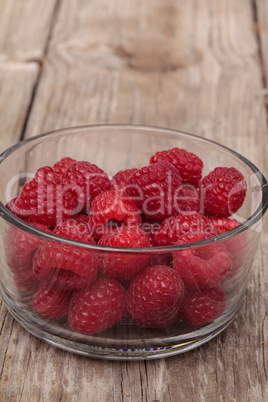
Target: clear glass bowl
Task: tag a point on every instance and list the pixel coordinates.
(114, 148)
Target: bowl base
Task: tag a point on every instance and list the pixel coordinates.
(175, 346)
(129, 354)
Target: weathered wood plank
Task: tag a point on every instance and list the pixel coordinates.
(104, 65)
(262, 34)
(262, 19)
(112, 90)
(24, 28)
(17, 82)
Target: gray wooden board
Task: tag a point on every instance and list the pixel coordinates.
(24, 28)
(262, 29)
(109, 62)
(17, 82)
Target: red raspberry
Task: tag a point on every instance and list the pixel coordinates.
(187, 163)
(242, 249)
(223, 191)
(237, 245)
(51, 302)
(154, 188)
(120, 179)
(202, 306)
(109, 210)
(65, 265)
(172, 228)
(98, 308)
(201, 266)
(38, 198)
(224, 224)
(61, 166)
(188, 199)
(10, 207)
(25, 280)
(122, 265)
(65, 279)
(150, 228)
(19, 248)
(158, 257)
(88, 180)
(154, 297)
(75, 228)
(44, 200)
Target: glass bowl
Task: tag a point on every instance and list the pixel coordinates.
(114, 148)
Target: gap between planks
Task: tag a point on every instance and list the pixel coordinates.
(41, 64)
(260, 54)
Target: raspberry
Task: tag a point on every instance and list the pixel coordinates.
(223, 191)
(188, 164)
(88, 180)
(188, 199)
(109, 210)
(156, 258)
(98, 308)
(202, 306)
(172, 228)
(154, 297)
(10, 207)
(120, 179)
(75, 228)
(123, 265)
(38, 198)
(44, 200)
(224, 224)
(61, 166)
(237, 245)
(154, 188)
(19, 248)
(65, 265)
(25, 280)
(20, 245)
(150, 228)
(65, 279)
(51, 302)
(201, 266)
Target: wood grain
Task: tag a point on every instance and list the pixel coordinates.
(24, 28)
(262, 18)
(261, 13)
(17, 82)
(192, 66)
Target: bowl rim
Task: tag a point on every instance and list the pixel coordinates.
(249, 222)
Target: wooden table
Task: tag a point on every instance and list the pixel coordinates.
(196, 66)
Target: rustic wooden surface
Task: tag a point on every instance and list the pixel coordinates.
(261, 13)
(200, 67)
(24, 30)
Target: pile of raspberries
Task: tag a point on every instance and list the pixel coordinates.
(167, 203)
